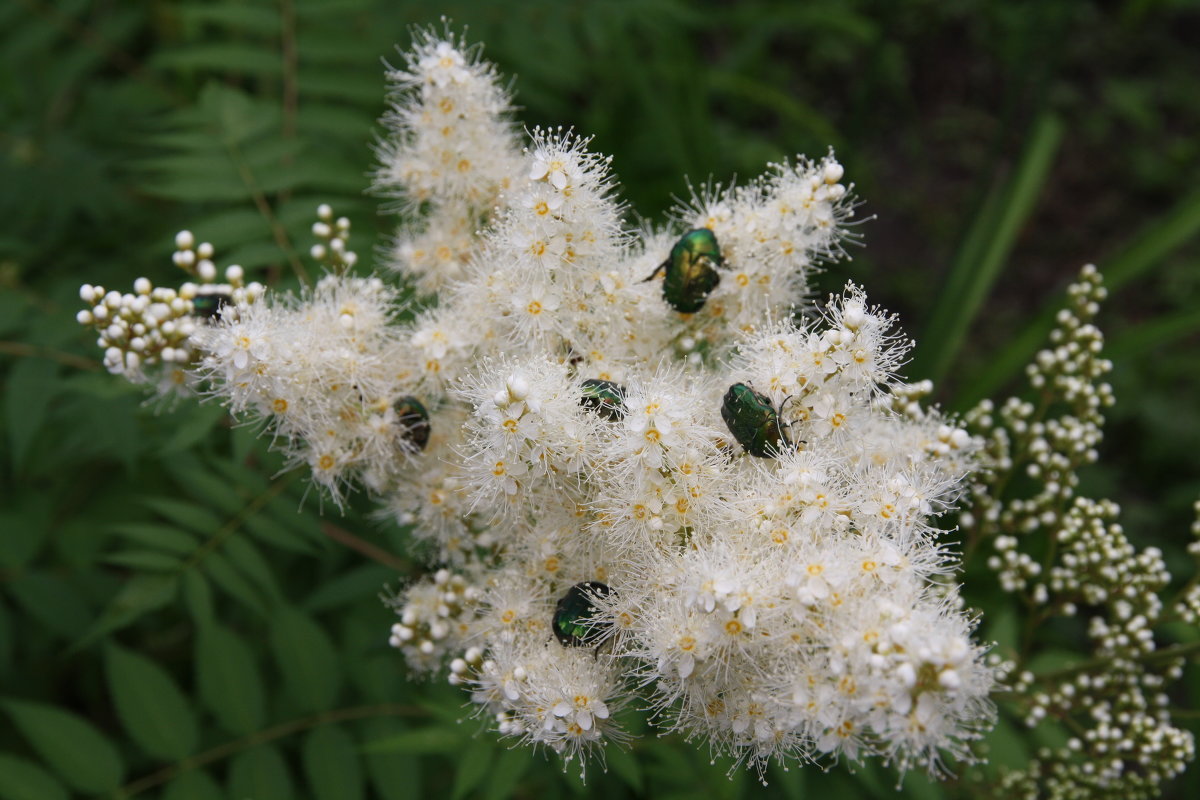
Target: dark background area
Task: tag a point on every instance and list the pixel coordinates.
(996, 147)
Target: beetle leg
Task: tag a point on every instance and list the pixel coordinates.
(660, 268)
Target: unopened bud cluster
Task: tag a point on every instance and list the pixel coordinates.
(1066, 556)
(332, 235)
(146, 334)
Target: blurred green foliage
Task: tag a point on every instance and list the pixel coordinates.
(179, 619)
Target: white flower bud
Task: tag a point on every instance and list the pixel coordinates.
(84, 317)
(324, 212)
(853, 315)
(321, 230)
(518, 387)
(87, 293)
(234, 274)
(204, 250)
(207, 271)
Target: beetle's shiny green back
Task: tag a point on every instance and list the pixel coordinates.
(691, 270)
(753, 421)
(575, 616)
(605, 398)
(413, 420)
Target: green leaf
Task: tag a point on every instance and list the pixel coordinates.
(146, 560)
(788, 783)
(193, 785)
(139, 596)
(332, 765)
(206, 487)
(985, 251)
(197, 595)
(395, 776)
(622, 762)
(150, 704)
(186, 515)
(52, 602)
(245, 556)
(1156, 241)
(424, 741)
(1006, 746)
(307, 660)
(7, 639)
(196, 425)
(472, 767)
(259, 774)
(153, 534)
(25, 525)
(268, 531)
(349, 587)
(31, 385)
(921, 786)
(24, 780)
(232, 582)
(228, 680)
(13, 307)
(71, 745)
(220, 57)
(1151, 335)
(238, 17)
(505, 776)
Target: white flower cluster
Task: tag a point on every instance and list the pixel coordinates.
(449, 152)
(649, 467)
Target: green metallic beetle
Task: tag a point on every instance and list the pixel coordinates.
(691, 270)
(754, 422)
(209, 302)
(605, 398)
(413, 419)
(575, 620)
